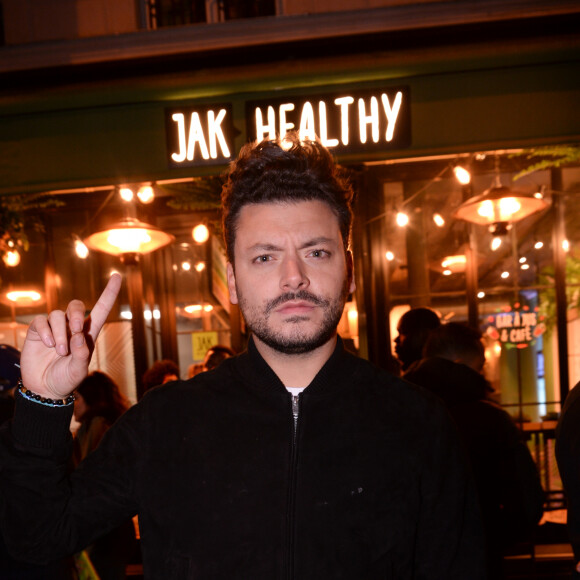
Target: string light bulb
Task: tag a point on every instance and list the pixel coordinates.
(438, 219)
(402, 219)
(146, 194)
(200, 233)
(81, 249)
(462, 175)
(126, 194)
(11, 258)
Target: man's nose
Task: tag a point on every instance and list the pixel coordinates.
(293, 275)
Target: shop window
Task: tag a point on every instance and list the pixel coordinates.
(234, 9)
(513, 287)
(164, 13)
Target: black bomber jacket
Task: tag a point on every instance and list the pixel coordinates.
(371, 484)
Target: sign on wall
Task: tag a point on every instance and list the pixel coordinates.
(516, 327)
(344, 121)
(349, 121)
(199, 135)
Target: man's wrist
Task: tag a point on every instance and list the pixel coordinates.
(46, 401)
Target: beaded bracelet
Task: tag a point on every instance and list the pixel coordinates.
(27, 394)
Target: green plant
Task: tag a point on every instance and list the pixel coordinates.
(548, 296)
(548, 157)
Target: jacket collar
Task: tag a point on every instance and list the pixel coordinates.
(255, 370)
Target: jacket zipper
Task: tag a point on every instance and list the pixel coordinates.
(295, 402)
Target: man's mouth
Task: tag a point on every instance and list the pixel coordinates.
(295, 307)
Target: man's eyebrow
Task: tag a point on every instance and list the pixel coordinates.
(269, 247)
(264, 247)
(317, 242)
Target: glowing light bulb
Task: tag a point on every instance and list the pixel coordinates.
(495, 243)
(185, 266)
(505, 274)
(200, 267)
(129, 240)
(146, 194)
(200, 233)
(390, 256)
(126, 194)
(402, 219)
(462, 175)
(481, 294)
(81, 249)
(438, 219)
(11, 258)
(538, 245)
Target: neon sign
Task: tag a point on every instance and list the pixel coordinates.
(347, 122)
(199, 135)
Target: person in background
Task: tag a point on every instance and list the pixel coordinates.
(414, 328)
(295, 459)
(98, 404)
(159, 373)
(216, 355)
(508, 483)
(568, 458)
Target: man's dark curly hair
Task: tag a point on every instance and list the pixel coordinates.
(270, 171)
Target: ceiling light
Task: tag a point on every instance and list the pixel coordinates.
(498, 207)
(129, 236)
(24, 297)
(455, 263)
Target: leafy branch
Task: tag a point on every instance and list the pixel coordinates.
(548, 157)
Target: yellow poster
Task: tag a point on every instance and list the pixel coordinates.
(202, 341)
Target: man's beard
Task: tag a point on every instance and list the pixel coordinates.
(297, 342)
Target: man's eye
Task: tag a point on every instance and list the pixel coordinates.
(261, 259)
(319, 254)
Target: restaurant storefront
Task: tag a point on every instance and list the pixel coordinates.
(401, 126)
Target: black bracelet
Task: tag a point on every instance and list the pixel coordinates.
(27, 394)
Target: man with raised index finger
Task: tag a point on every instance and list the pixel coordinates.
(294, 460)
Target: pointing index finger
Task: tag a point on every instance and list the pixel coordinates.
(104, 305)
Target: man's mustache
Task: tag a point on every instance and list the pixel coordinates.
(303, 295)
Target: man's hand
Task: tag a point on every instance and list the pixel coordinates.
(57, 349)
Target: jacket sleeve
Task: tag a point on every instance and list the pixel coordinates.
(450, 536)
(49, 511)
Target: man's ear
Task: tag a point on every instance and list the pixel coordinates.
(350, 272)
(232, 283)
